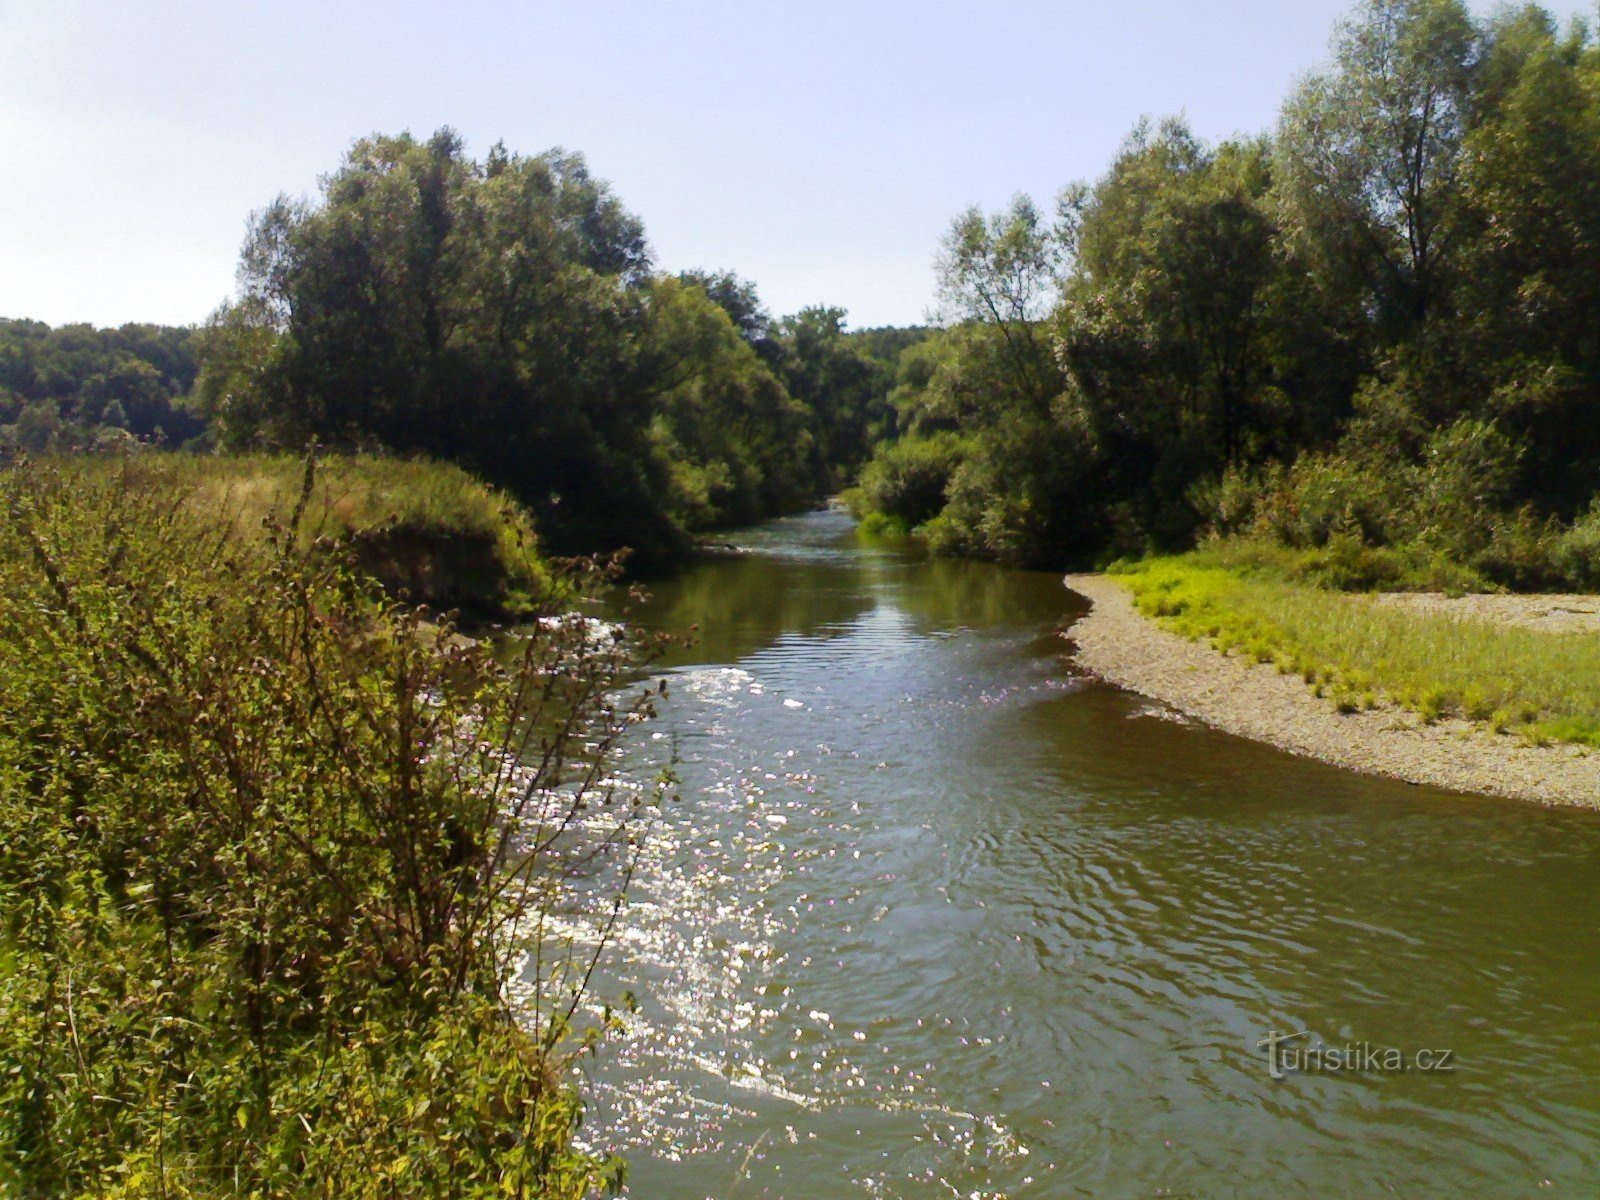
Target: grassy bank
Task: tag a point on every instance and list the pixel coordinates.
(1358, 653)
(426, 529)
(275, 855)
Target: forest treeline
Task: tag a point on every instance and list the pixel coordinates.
(79, 388)
(1367, 335)
(503, 314)
(1370, 333)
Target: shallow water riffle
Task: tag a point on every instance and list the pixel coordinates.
(938, 916)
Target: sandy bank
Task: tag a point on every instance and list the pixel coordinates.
(1225, 691)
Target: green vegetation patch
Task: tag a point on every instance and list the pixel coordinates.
(1357, 652)
(276, 854)
(428, 530)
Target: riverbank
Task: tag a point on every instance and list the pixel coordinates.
(429, 532)
(272, 830)
(1231, 692)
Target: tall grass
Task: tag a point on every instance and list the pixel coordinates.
(428, 527)
(1356, 652)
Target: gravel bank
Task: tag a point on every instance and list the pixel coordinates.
(1225, 691)
(1545, 613)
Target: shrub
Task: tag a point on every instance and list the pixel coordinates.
(1455, 492)
(1229, 506)
(907, 481)
(1325, 494)
(274, 852)
(1348, 564)
(1576, 552)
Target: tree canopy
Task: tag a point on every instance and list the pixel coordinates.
(1381, 312)
(75, 387)
(504, 314)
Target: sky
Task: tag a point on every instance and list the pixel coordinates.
(819, 149)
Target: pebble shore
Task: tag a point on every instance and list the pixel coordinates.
(1117, 643)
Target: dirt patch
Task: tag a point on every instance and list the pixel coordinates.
(442, 571)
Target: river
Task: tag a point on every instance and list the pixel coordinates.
(937, 916)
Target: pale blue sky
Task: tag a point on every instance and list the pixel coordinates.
(819, 149)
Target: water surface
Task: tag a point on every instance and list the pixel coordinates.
(938, 917)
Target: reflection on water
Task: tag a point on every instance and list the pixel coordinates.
(936, 917)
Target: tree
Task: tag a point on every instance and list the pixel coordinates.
(490, 313)
(739, 299)
(1531, 199)
(1002, 271)
(1011, 482)
(845, 390)
(1164, 327)
(38, 428)
(1370, 152)
(738, 444)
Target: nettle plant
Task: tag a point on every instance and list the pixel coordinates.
(286, 862)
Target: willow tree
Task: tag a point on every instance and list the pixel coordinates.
(1529, 290)
(487, 312)
(1168, 322)
(1002, 271)
(1370, 154)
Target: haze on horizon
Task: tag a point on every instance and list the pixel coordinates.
(820, 153)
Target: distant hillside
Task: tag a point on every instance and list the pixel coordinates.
(75, 386)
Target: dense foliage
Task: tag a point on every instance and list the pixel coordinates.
(503, 315)
(1376, 323)
(77, 388)
(277, 860)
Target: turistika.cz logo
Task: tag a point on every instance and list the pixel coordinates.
(1287, 1055)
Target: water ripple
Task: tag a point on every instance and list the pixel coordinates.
(936, 917)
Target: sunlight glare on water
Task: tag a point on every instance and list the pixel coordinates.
(936, 916)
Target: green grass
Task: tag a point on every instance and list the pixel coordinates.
(1347, 564)
(428, 528)
(1355, 652)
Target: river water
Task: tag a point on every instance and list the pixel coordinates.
(937, 916)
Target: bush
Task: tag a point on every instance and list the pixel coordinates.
(1325, 494)
(273, 856)
(1529, 554)
(1435, 520)
(1229, 506)
(1576, 552)
(908, 481)
(1453, 496)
